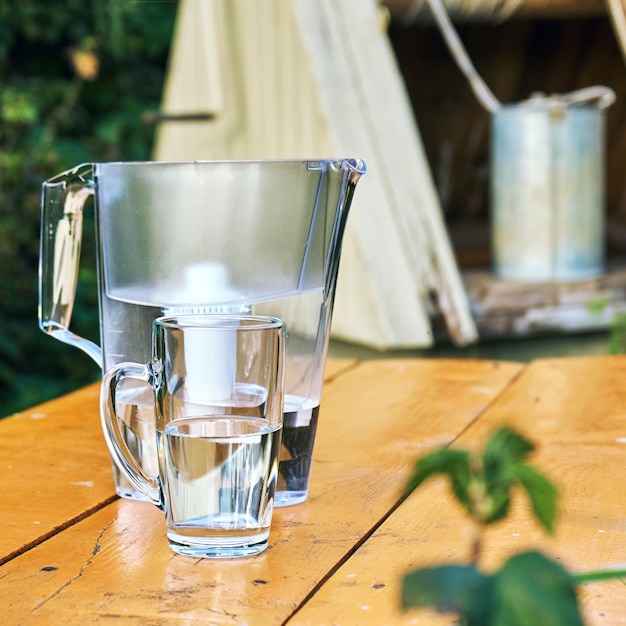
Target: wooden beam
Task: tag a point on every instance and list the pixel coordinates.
(503, 308)
(417, 10)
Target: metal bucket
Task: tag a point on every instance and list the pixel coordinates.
(547, 187)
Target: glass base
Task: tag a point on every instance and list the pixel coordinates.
(124, 488)
(211, 548)
(289, 498)
(130, 494)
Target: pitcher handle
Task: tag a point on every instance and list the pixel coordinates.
(123, 457)
(63, 199)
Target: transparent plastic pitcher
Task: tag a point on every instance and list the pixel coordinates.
(259, 237)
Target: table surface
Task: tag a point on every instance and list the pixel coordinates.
(71, 552)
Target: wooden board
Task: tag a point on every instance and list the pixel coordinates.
(488, 10)
(68, 453)
(576, 409)
(375, 418)
(504, 308)
(65, 454)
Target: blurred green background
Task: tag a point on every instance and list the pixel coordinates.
(75, 81)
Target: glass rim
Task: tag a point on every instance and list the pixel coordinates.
(218, 321)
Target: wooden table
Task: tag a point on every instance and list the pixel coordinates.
(71, 552)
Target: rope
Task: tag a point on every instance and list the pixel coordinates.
(478, 85)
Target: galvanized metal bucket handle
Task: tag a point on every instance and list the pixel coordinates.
(602, 96)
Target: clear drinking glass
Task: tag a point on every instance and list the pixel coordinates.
(217, 384)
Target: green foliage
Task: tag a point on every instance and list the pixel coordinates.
(529, 588)
(617, 326)
(75, 81)
(483, 484)
(451, 589)
(455, 464)
(617, 341)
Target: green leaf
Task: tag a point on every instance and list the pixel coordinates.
(504, 447)
(499, 499)
(504, 467)
(542, 494)
(452, 463)
(17, 107)
(530, 589)
(451, 589)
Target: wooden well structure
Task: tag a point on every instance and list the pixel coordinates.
(375, 80)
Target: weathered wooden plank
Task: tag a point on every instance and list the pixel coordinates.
(575, 410)
(400, 255)
(55, 469)
(64, 453)
(375, 418)
(497, 11)
(504, 308)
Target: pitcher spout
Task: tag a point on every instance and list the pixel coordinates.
(357, 168)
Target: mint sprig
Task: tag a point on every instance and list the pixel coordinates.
(530, 588)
